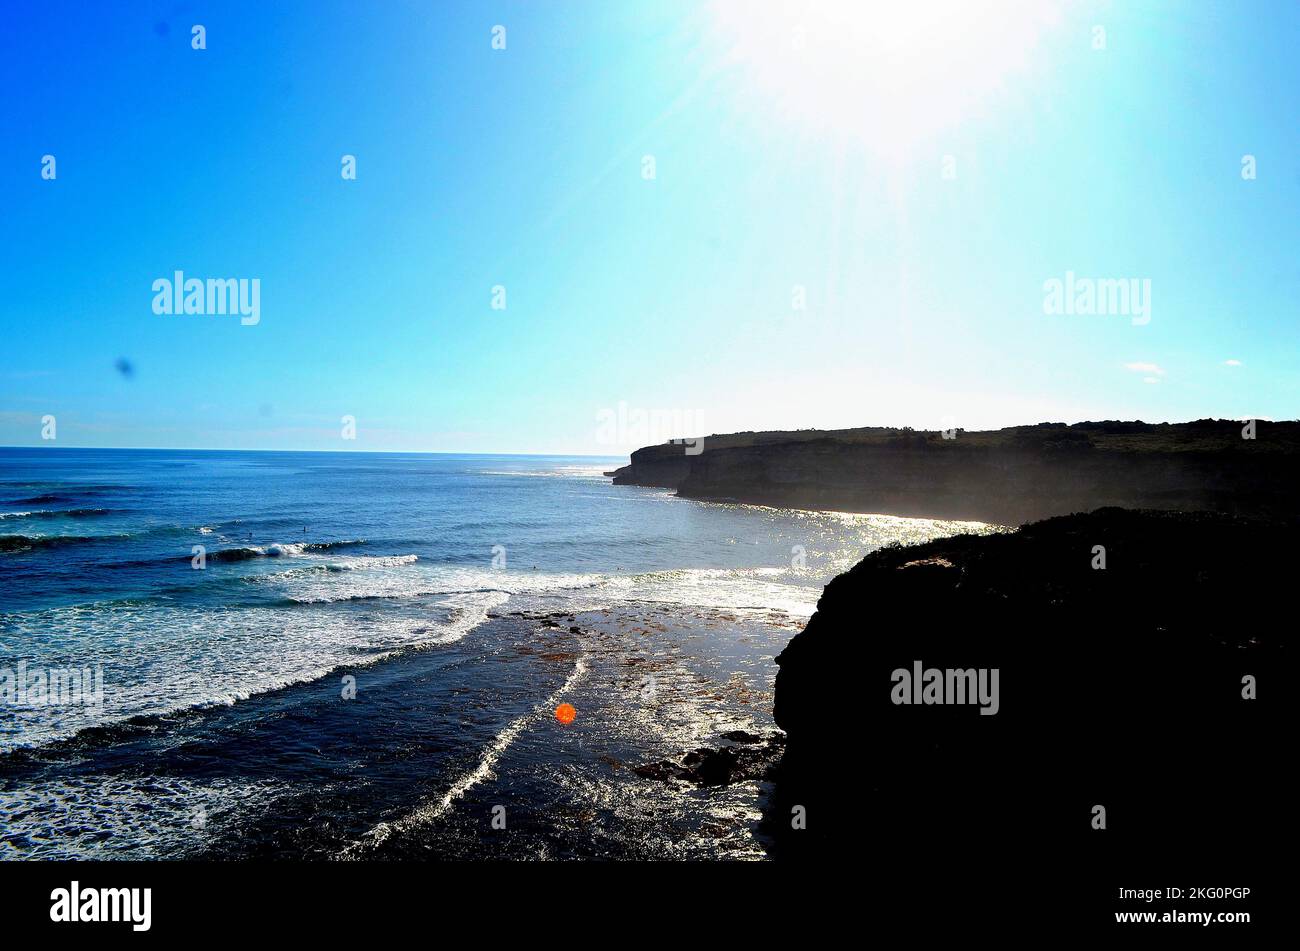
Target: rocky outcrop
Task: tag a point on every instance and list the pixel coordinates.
(1007, 476)
(662, 467)
(742, 756)
(1122, 683)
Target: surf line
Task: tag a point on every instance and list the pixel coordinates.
(432, 809)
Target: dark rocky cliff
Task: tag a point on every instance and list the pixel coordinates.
(661, 467)
(1120, 687)
(1007, 476)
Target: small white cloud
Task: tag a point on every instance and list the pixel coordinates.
(1232, 363)
(1151, 379)
(1145, 368)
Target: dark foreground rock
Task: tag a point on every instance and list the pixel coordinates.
(1119, 687)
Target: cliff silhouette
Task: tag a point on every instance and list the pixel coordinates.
(1008, 476)
(1120, 686)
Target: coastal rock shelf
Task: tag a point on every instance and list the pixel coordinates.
(1008, 476)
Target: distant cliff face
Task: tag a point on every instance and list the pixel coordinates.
(662, 467)
(1009, 476)
(1125, 643)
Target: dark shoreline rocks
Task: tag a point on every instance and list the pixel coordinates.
(744, 756)
(1007, 476)
(1120, 686)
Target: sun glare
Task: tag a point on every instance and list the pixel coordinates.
(887, 73)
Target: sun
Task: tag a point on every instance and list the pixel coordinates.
(888, 74)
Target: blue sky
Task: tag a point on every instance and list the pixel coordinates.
(796, 155)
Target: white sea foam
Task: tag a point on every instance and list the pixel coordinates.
(117, 817)
(354, 578)
(160, 657)
(431, 810)
(164, 655)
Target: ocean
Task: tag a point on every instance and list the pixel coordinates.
(359, 655)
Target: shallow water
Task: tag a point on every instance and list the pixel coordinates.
(467, 596)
